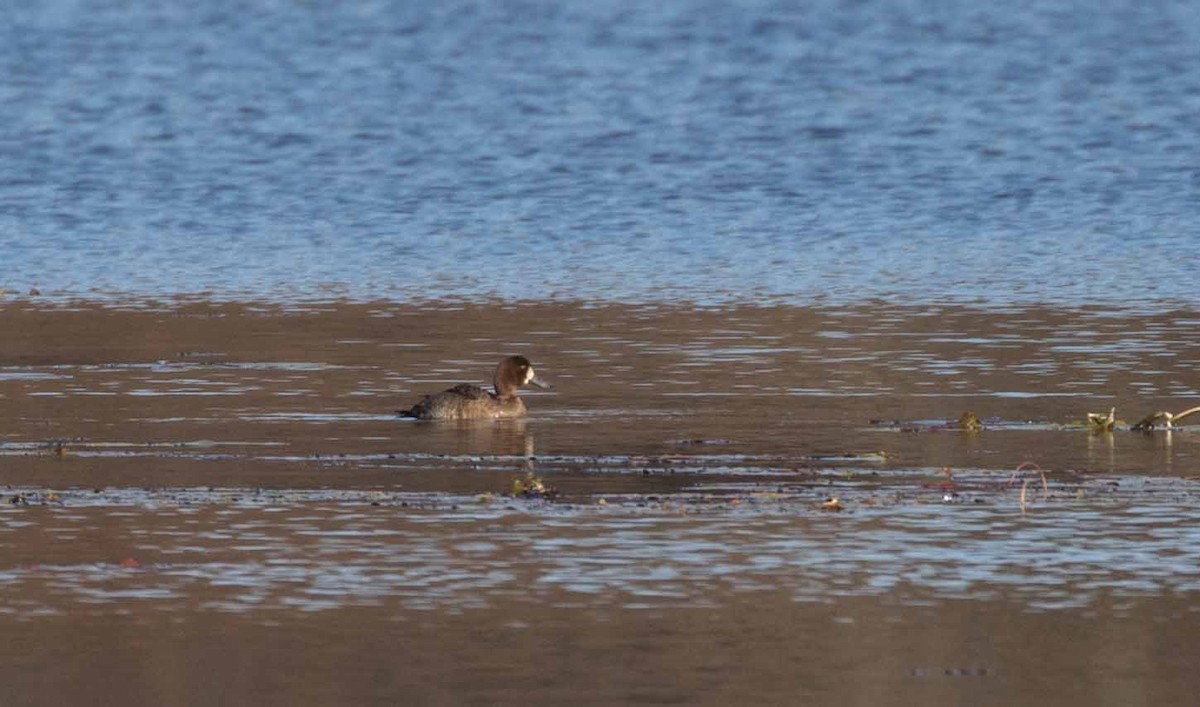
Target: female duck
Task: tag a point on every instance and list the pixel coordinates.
(470, 402)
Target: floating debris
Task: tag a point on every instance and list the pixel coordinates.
(846, 457)
(530, 486)
(1151, 421)
(1094, 422)
(1099, 422)
(33, 498)
(969, 422)
(832, 504)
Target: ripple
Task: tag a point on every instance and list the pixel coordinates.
(663, 183)
(327, 550)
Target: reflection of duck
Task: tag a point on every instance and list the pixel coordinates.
(503, 442)
(470, 402)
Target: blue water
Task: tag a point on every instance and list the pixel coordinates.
(825, 151)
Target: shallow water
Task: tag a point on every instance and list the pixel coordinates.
(201, 472)
(747, 381)
(259, 552)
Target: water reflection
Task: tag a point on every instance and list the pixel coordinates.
(492, 438)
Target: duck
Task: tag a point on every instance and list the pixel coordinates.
(470, 402)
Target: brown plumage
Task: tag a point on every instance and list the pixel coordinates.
(470, 402)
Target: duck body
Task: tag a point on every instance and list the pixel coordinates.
(465, 402)
(470, 402)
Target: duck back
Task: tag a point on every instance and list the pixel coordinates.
(465, 402)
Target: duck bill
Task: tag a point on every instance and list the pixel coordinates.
(534, 380)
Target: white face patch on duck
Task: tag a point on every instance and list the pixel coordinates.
(529, 375)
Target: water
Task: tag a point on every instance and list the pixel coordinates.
(216, 485)
(768, 254)
(178, 551)
(609, 151)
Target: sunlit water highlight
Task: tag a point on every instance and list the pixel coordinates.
(244, 550)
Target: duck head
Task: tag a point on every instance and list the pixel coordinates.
(514, 372)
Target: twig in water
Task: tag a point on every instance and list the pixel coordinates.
(1149, 422)
(1045, 483)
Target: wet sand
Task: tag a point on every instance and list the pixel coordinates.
(216, 502)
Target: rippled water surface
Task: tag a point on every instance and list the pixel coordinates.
(239, 550)
(769, 256)
(824, 152)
